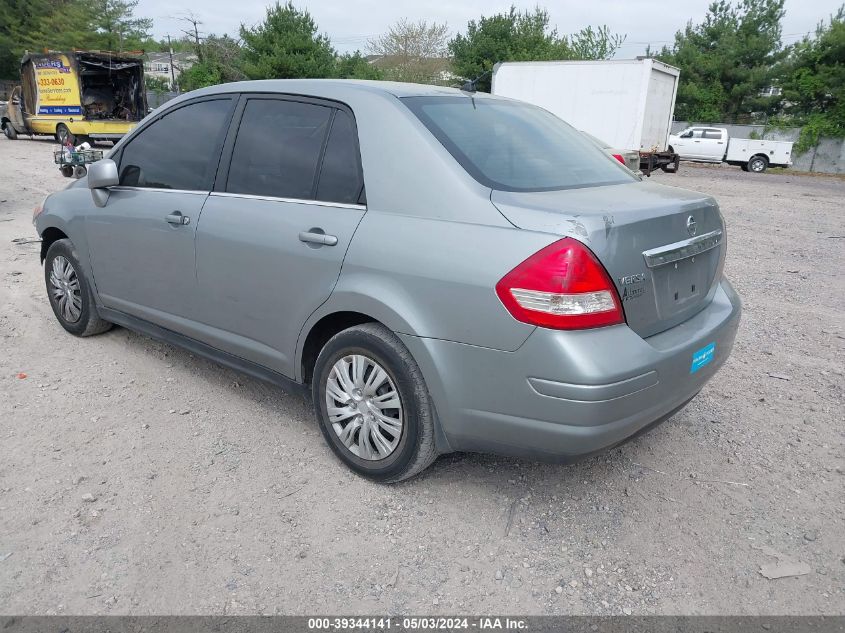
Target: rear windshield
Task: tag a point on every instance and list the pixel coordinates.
(514, 146)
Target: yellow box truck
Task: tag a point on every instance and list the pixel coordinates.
(81, 95)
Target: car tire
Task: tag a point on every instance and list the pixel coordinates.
(10, 132)
(69, 291)
(400, 443)
(758, 164)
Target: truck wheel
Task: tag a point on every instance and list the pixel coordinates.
(672, 168)
(758, 164)
(10, 132)
(63, 134)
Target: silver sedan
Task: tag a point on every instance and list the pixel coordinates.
(440, 270)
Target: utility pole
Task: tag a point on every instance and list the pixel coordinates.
(173, 85)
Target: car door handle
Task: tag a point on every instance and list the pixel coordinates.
(319, 238)
(177, 219)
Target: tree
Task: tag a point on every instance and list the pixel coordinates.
(523, 36)
(356, 66)
(595, 44)
(413, 51)
(116, 25)
(286, 45)
(727, 60)
(814, 82)
(33, 25)
(221, 62)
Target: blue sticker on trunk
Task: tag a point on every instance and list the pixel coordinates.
(701, 357)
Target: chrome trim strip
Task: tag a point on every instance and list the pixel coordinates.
(319, 203)
(681, 250)
(128, 188)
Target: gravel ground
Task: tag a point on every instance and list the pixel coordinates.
(137, 478)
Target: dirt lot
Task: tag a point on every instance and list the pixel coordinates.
(137, 478)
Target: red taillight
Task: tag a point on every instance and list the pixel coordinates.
(619, 158)
(563, 287)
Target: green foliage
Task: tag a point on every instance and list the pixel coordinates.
(286, 45)
(512, 36)
(36, 25)
(116, 26)
(523, 36)
(158, 85)
(727, 60)
(355, 66)
(595, 44)
(221, 61)
(814, 83)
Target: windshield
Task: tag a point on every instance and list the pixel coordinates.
(514, 146)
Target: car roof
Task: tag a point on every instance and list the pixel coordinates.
(336, 87)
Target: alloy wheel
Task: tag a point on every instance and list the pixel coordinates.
(65, 289)
(364, 407)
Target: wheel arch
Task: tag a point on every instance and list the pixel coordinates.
(320, 333)
(50, 235)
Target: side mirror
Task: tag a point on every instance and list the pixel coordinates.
(101, 176)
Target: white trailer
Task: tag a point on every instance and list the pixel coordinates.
(627, 103)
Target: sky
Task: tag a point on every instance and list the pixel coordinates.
(351, 23)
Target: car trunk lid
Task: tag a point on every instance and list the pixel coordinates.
(663, 246)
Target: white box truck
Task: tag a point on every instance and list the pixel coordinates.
(626, 103)
(707, 144)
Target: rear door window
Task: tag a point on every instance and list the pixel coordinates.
(181, 150)
(716, 134)
(278, 148)
(340, 174)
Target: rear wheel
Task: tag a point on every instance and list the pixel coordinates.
(10, 132)
(372, 404)
(758, 164)
(69, 293)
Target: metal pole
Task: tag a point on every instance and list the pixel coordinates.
(173, 85)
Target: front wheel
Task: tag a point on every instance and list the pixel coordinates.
(758, 164)
(69, 293)
(372, 404)
(10, 132)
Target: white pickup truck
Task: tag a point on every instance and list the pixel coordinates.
(713, 145)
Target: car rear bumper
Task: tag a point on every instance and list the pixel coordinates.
(564, 395)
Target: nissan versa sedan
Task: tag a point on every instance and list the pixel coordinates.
(442, 270)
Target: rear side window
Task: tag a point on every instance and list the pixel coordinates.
(278, 148)
(340, 174)
(717, 134)
(180, 150)
(514, 146)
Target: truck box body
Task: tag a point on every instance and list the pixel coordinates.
(626, 103)
(740, 150)
(94, 95)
